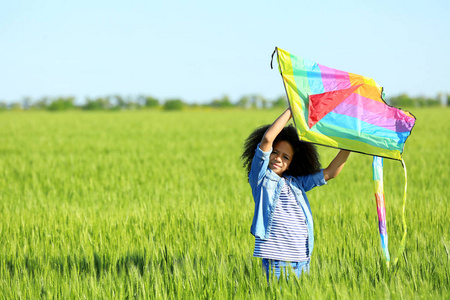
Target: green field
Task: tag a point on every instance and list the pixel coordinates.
(151, 204)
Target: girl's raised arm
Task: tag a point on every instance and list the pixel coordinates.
(274, 130)
(336, 165)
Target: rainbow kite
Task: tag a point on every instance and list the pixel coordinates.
(347, 111)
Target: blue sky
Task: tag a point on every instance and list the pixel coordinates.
(201, 50)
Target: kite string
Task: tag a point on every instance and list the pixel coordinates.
(402, 243)
(271, 60)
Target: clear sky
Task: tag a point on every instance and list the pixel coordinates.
(201, 50)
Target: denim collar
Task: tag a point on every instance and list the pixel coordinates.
(270, 174)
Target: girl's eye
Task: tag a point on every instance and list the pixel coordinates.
(286, 158)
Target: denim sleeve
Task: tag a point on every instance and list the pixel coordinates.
(311, 181)
(259, 166)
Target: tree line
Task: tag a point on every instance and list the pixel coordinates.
(117, 102)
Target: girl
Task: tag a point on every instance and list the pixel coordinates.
(281, 169)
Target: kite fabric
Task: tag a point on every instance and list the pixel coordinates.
(342, 110)
(347, 111)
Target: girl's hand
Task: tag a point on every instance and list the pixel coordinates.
(274, 130)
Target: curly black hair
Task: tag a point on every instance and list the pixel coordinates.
(305, 160)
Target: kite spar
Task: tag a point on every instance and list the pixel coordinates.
(347, 111)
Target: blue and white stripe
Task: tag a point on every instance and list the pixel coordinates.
(288, 239)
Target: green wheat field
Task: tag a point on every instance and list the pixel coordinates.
(153, 204)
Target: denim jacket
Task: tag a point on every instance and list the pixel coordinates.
(266, 187)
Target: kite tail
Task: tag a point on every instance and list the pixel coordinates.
(401, 248)
(377, 167)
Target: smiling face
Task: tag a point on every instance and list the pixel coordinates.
(281, 157)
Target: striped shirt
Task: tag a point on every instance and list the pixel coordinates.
(288, 238)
